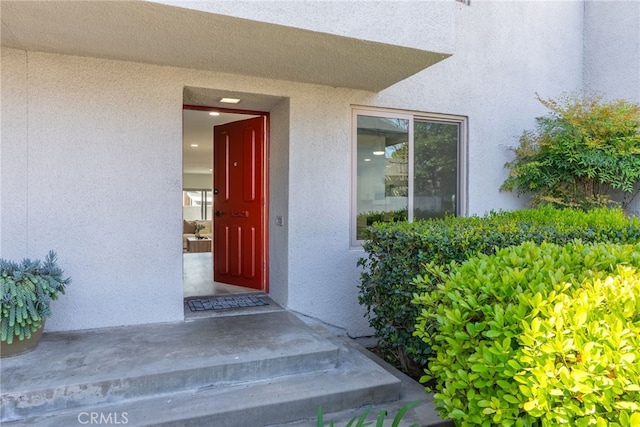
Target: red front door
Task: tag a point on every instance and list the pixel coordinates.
(239, 193)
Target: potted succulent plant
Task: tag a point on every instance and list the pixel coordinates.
(26, 292)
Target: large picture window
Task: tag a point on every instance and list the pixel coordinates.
(196, 204)
(406, 167)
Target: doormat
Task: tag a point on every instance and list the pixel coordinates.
(225, 303)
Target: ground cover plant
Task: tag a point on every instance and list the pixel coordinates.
(395, 253)
(361, 421)
(584, 153)
(536, 335)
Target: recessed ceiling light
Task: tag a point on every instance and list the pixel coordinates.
(214, 113)
(194, 145)
(230, 100)
(378, 153)
(367, 160)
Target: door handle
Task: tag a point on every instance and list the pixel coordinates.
(218, 213)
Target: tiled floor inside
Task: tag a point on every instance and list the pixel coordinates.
(197, 277)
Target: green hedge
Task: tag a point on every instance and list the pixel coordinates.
(537, 335)
(396, 253)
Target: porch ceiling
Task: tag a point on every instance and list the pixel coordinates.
(165, 35)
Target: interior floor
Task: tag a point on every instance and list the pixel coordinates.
(197, 277)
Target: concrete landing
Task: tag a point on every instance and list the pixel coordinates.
(236, 371)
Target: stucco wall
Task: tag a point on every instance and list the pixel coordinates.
(279, 203)
(93, 155)
(96, 142)
(612, 48)
(505, 52)
(612, 53)
(423, 25)
(100, 140)
(13, 154)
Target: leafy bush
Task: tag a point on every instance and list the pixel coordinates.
(26, 290)
(397, 252)
(582, 153)
(367, 219)
(581, 355)
(536, 335)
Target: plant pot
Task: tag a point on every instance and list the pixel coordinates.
(19, 347)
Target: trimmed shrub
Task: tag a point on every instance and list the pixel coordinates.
(536, 335)
(397, 252)
(582, 154)
(581, 355)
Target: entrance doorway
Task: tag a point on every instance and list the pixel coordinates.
(233, 178)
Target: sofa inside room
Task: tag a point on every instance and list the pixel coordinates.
(189, 230)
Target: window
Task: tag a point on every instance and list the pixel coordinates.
(406, 167)
(196, 204)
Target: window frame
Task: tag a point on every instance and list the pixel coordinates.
(205, 202)
(412, 117)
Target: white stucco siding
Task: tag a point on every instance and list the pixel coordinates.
(101, 141)
(102, 187)
(612, 48)
(92, 167)
(506, 52)
(322, 274)
(612, 53)
(13, 155)
(419, 24)
(492, 79)
(279, 202)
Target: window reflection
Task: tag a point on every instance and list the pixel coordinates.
(435, 169)
(384, 190)
(382, 171)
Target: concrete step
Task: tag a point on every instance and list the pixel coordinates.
(80, 369)
(424, 415)
(259, 369)
(267, 402)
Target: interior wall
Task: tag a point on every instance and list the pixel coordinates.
(197, 181)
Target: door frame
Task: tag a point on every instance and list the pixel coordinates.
(265, 189)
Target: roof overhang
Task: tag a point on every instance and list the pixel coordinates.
(153, 33)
